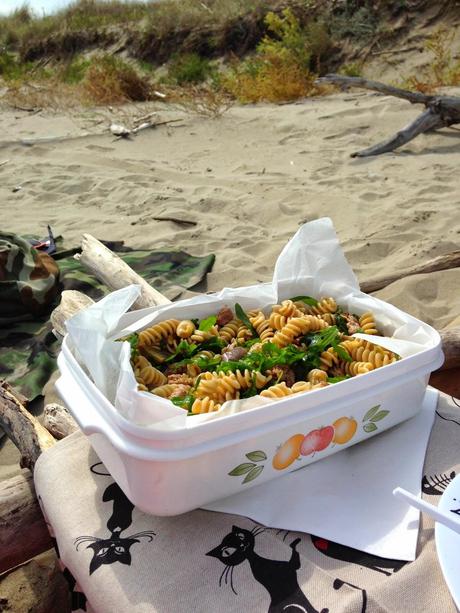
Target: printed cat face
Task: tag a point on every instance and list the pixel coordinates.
(235, 547)
(108, 551)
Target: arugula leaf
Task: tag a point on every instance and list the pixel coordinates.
(208, 323)
(244, 318)
(341, 323)
(133, 340)
(184, 402)
(343, 355)
(306, 299)
(195, 322)
(337, 379)
(183, 349)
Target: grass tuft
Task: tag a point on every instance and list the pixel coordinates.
(110, 80)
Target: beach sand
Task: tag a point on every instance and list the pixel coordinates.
(248, 179)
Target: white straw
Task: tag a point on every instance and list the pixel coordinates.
(441, 516)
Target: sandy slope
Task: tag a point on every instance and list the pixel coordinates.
(249, 179)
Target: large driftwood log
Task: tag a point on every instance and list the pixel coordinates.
(113, 272)
(442, 262)
(26, 432)
(23, 532)
(450, 338)
(442, 111)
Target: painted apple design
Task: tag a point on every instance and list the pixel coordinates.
(317, 440)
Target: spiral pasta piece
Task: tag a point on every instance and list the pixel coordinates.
(287, 309)
(152, 377)
(329, 318)
(199, 336)
(185, 329)
(262, 327)
(280, 390)
(328, 359)
(296, 327)
(243, 334)
(367, 323)
(356, 368)
(277, 321)
(363, 351)
(230, 330)
(154, 334)
(204, 405)
(248, 378)
(323, 306)
(218, 386)
(316, 375)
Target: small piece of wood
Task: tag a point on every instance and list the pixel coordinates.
(26, 432)
(23, 531)
(113, 272)
(442, 262)
(184, 222)
(58, 421)
(441, 111)
(71, 302)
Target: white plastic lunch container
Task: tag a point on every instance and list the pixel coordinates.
(170, 472)
(168, 463)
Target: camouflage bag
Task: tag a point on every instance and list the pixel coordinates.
(28, 280)
(28, 348)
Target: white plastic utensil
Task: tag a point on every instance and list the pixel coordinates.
(440, 516)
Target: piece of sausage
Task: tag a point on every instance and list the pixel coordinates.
(224, 316)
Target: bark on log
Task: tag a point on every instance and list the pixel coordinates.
(441, 111)
(450, 338)
(23, 531)
(58, 421)
(114, 273)
(442, 262)
(26, 432)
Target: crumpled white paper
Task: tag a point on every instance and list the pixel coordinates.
(312, 263)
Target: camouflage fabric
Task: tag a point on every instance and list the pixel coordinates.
(28, 349)
(28, 280)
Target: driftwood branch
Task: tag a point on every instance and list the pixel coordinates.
(441, 111)
(26, 432)
(71, 302)
(113, 272)
(23, 532)
(442, 262)
(58, 421)
(450, 338)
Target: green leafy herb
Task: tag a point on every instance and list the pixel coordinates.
(133, 340)
(244, 318)
(208, 323)
(184, 402)
(195, 322)
(183, 349)
(306, 299)
(341, 324)
(337, 379)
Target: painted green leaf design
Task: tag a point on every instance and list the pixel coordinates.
(371, 412)
(256, 456)
(253, 474)
(380, 415)
(241, 469)
(369, 427)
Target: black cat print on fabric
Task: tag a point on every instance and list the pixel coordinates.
(279, 578)
(114, 548)
(434, 485)
(348, 554)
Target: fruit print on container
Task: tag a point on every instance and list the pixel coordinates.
(340, 432)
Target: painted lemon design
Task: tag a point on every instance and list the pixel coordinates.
(288, 452)
(344, 430)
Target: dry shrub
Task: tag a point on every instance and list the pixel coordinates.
(52, 94)
(204, 100)
(442, 70)
(274, 79)
(109, 80)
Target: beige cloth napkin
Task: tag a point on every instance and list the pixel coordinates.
(124, 560)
